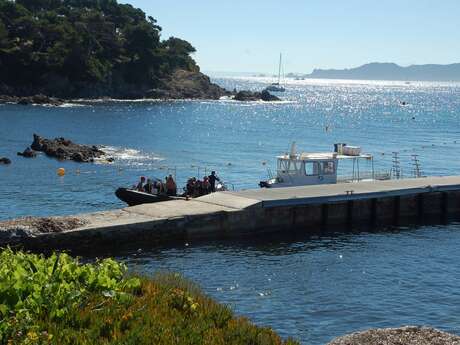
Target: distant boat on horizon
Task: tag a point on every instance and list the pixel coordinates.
(277, 87)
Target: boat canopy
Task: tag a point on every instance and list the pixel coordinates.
(322, 156)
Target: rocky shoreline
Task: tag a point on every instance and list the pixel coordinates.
(29, 100)
(181, 84)
(15, 230)
(408, 335)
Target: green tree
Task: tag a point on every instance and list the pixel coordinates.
(69, 47)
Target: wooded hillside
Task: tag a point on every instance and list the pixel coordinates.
(84, 48)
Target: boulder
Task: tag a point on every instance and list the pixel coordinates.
(255, 96)
(28, 153)
(268, 97)
(247, 96)
(409, 335)
(4, 160)
(64, 149)
(187, 85)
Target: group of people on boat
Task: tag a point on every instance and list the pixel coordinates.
(158, 187)
(196, 187)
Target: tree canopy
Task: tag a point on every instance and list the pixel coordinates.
(84, 48)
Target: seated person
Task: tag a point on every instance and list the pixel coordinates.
(140, 185)
(171, 187)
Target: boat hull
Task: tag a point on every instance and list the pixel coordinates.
(134, 197)
(274, 88)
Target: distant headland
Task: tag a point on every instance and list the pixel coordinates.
(392, 71)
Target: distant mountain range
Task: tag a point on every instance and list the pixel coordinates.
(392, 71)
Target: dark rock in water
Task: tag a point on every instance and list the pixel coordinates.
(65, 149)
(268, 97)
(5, 160)
(28, 153)
(246, 96)
(255, 96)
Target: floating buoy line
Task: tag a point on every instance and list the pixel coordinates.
(201, 170)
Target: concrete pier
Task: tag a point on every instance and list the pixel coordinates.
(310, 209)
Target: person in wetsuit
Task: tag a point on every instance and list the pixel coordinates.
(212, 181)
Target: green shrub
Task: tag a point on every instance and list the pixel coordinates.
(57, 300)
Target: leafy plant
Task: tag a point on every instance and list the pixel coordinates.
(33, 287)
(58, 300)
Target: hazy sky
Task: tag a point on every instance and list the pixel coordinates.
(247, 35)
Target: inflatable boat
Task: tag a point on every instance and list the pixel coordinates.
(133, 197)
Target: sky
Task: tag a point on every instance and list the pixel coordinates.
(247, 36)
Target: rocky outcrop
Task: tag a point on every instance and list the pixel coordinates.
(255, 96)
(36, 99)
(28, 153)
(409, 335)
(65, 149)
(181, 84)
(17, 230)
(187, 85)
(4, 160)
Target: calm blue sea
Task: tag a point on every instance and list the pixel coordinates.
(309, 288)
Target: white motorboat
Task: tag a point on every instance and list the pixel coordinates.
(303, 169)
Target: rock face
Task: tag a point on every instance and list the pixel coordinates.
(5, 160)
(36, 99)
(255, 96)
(409, 335)
(181, 84)
(64, 149)
(28, 153)
(187, 85)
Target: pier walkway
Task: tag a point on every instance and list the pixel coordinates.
(251, 212)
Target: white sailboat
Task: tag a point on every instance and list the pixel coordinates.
(277, 87)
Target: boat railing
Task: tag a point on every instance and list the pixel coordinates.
(269, 173)
(380, 176)
(228, 185)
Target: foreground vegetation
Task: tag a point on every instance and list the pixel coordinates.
(58, 300)
(87, 48)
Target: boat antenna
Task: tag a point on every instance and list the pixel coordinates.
(293, 152)
(279, 71)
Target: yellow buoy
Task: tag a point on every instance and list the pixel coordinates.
(61, 171)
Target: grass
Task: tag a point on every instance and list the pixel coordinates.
(57, 300)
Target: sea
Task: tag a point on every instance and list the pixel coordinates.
(310, 288)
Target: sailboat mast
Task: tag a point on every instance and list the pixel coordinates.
(279, 71)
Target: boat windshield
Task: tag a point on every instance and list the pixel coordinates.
(287, 166)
